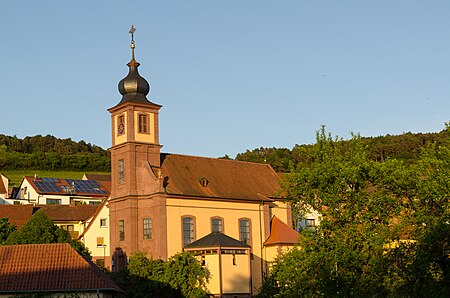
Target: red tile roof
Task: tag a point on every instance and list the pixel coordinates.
(17, 214)
(69, 212)
(98, 177)
(281, 233)
(20, 214)
(49, 267)
(227, 179)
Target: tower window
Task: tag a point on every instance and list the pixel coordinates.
(121, 171)
(147, 222)
(244, 231)
(143, 125)
(121, 230)
(216, 224)
(188, 230)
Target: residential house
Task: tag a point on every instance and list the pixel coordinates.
(95, 236)
(87, 223)
(17, 215)
(51, 270)
(4, 184)
(39, 191)
(161, 203)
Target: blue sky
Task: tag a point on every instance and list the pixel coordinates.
(231, 75)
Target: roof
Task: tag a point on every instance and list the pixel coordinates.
(281, 233)
(49, 267)
(17, 214)
(93, 217)
(69, 212)
(222, 178)
(98, 177)
(62, 186)
(216, 239)
(20, 214)
(103, 179)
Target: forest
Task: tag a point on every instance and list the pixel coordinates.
(51, 153)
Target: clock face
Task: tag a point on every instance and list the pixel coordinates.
(121, 129)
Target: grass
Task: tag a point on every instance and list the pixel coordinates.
(15, 177)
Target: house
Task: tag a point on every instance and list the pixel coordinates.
(17, 214)
(73, 219)
(95, 235)
(163, 203)
(38, 191)
(53, 270)
(4, 184)
(87, 223)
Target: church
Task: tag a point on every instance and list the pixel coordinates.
(226, 212)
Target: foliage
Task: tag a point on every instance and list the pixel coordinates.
(405, 147)
(180, 276)
(184, 273)
(6, 228)
(41, 229)
(50, 153)
(367, 207)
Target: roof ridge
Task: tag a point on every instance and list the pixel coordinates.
(218, 158)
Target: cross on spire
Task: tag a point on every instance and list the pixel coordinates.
(132, 30)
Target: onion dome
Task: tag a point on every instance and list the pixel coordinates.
(133, 87)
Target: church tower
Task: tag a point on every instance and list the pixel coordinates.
(135, 162)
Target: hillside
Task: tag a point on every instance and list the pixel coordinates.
(48, 153)
(51, 153)
(405, 147)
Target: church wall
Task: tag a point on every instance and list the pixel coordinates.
(231, 212)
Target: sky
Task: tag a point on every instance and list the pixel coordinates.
(231, 75)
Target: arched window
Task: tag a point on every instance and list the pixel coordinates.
(217, 224)
(147, 228)
(244, 230)
(188, 229)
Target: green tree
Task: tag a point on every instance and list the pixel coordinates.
(6, 228)
(180, 276)
(366, 208)
(185, 273)
(41, 229)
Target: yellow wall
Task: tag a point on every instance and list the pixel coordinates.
(282, 211)
(90, 237)
(119, 139)
(235, 277)
(212, 264)
(144, 137)
(231, 212)
(274, 251)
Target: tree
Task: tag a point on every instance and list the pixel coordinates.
(185, 274)
(6, 228)
(180, 276)
(367, 207)
(41, 229)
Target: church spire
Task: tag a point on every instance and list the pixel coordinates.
(133, 87)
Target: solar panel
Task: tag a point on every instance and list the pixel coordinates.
(86, 186)
(45, 186)
(50, 180)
